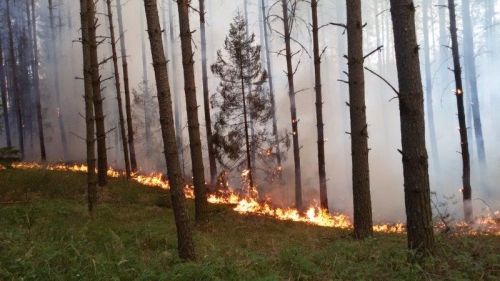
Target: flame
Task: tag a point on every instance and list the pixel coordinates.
(249, 204)
(2, 167)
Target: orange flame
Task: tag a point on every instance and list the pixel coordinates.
(248, 204)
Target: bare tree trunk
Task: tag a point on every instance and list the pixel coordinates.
(55, 66)
(37, 85)
(184, 234)
(177, 95)
(118, 89)
(206, 96)
(428, 89)
(192, 114)
(411, 108)
(3, 89)
(15, 84)
(89, 105)
(323, 192)
(128, 109)
(363, 225)
(470, 64)
(293, 109)
(459, 93)
(145, 90)
(271, 90)
(102, 159)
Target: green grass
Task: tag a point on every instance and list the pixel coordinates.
(48, 235)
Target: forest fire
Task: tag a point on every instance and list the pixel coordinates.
(248, 204)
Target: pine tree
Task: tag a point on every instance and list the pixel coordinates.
(237, 69)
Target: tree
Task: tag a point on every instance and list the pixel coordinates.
(37, 85)
(55, 67)
(470, 66)
(271, 89)
(411, 110)
(206, 97)
(3, 90)
(118, 89)
(323, 192)
(145, 90)
(184, 234)
(428, 88)
(128, 109)
(177, 94)
(15, 85)
(102, 159)
(459, 93)
(192, 114)
(293, 108)
(233, 99)
(363, 225)
(89, 104)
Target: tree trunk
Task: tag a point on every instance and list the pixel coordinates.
(89, 106)
(55, 66)
(128, 108)
(459, 93)
(145, 90)
(102, 162)
(250, 108)
(206, 96)
(118, 89)
(177, 95)
(428, 89)
(247, 135)
(411, 108)
(363, 225)
(184, 235)
(271, 91)
(15, 85)
(3, 89)
(470, 64)
(293, 109)
(323, 194)
(192, 114)
(37, 85)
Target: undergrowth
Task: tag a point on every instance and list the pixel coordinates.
(46, 234)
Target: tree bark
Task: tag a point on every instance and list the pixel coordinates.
(271, 91)
(55, 66)
(192, 114)
(428, 88)
(206, 96)
(89, 105)
(15, 85)
(128, 108)
(3, 89)
(470, 64)
(363, 225)
(118, 89)
(293, 108)
(184, 235)
(411, 108)
(102, 162)
(37, 85)
(323, 193)
(459, 93)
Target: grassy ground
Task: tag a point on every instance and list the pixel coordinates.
(48, 235)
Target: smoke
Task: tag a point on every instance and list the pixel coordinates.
(386, 179)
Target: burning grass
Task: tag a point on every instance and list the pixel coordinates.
(51, 237)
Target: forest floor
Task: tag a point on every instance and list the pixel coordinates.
(47, 234)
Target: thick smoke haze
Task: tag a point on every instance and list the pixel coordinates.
(386, 175)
